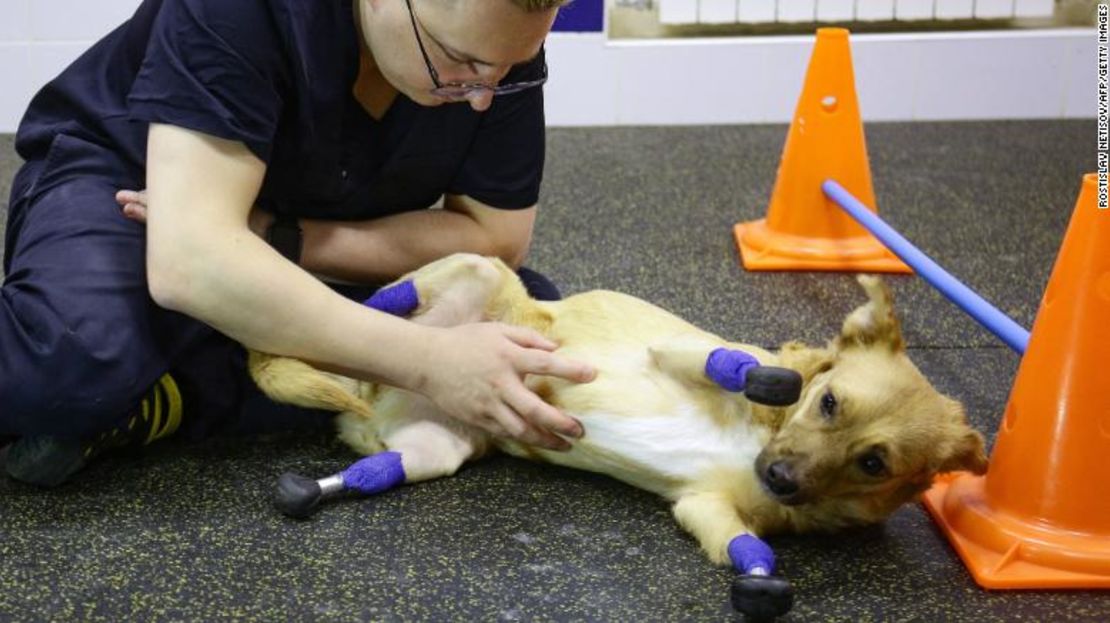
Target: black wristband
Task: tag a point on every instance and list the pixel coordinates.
(284, 235)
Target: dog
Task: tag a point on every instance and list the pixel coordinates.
(868, 434)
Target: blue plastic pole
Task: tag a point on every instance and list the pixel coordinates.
(1015, 336)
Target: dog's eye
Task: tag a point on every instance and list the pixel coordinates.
(871, 464)
(828, 404)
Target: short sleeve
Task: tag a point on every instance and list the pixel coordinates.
(213, 66)
(504, 166)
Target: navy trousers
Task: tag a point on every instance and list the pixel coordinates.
(81, 341)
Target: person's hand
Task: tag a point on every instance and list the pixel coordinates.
(475, 373)
(135, 207)
(133, 203)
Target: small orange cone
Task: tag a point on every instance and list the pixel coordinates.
(804, 230)
(1040, 518)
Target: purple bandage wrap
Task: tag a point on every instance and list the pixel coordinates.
(399, 299)
(375, 473)
(729, 368)
(748, 553)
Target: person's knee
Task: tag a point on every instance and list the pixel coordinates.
(63, 388)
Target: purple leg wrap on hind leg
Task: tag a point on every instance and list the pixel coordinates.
(375, 473)
(399, 299)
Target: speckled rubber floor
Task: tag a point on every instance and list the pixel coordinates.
(185, 531)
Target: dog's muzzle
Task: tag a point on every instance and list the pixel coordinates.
(778, 479)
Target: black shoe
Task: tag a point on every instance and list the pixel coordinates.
(48, 461)
(539, 286)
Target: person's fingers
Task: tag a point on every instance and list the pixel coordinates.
(528, 338)
(135, 212)
(539, 362)
(541, 414)
(131, 196)
(519, 429)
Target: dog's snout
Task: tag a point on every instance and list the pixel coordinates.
(779, 477)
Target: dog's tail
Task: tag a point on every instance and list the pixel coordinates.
(295, 382)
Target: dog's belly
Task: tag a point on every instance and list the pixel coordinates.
(660, 453)
(646, 428)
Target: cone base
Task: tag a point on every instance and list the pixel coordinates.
(1003, 551)
(763, 249)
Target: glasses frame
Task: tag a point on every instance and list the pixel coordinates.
(464, 90)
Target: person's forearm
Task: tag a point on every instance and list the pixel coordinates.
(235, 282)
(383, 249)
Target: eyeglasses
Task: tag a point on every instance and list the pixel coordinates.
(465, 90)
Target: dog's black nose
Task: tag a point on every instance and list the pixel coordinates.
(780, 479)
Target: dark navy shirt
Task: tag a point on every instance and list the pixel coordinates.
(277, 75)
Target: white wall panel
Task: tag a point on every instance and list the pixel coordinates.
(835, 10)
(755, 11)
(1034, 8)
(909, 10)
(678, 11)
(796, 10)
(954, 9)
(994, 9)
(875, 10)
(717, 11)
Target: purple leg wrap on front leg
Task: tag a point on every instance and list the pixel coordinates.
(751, 556)
(729, 368)
(375, 473)
(399, 299)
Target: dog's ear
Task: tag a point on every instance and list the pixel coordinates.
(806, 360)
(962, 448)
(874, 323)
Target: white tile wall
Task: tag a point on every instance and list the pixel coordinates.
(582, 88)
(678, 11)
(77, 20)
(656, 81)
(886, 81)
(38, 38)
(899, 77)
(717, 11)
(969, 75)
(875, 10)
(954, 9)
(994, 9)
(16, 93)
(15, 20)
(968, 93)
(835, 10)
(1034, 8)
(1080, 85)
(753, 11)
(914, 9)
(799, 11)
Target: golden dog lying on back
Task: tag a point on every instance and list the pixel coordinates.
(868, 434)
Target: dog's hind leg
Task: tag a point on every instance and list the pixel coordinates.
(459, 289)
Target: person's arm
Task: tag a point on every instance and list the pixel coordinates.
(383, 249)
(204, 261)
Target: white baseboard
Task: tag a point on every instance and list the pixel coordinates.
(1012, 74)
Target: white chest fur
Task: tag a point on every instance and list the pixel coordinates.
(658, 452)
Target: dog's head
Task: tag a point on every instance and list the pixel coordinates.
(869, 432)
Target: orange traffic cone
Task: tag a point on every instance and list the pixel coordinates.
(804, 230)
(1040, 518)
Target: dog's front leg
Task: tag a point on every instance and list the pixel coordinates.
(700, 360)
(713, 520)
